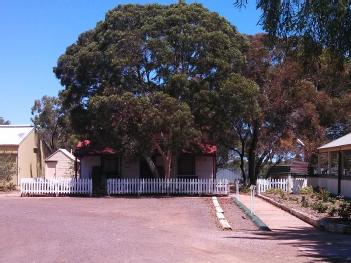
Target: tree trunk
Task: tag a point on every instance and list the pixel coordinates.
(167, 163)
(242, 168)
(252, 153)
(152, 166)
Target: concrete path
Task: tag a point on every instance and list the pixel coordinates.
(274, 217)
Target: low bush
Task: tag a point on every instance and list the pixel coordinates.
(324, 195)
(278, 192)
(307, 190)
(319, 206)
(333, 210)
(244, 189)
(7, 186)
(344, 210)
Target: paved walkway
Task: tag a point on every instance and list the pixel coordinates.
(291, 231)
(274, 217)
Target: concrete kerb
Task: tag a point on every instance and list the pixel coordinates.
(220, 215)
(254, 218)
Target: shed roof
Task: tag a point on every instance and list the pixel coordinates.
(52, 157)
(342, 141)
(14, 134)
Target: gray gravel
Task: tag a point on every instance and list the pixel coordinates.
(178, 229)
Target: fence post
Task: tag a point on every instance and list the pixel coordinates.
(237, 189)
(252, 199)
(290, 184)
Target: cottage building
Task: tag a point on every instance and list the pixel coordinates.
(21, 143)
(100, 164)
(60, 164)
(334, 166)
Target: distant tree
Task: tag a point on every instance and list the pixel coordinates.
(156, 123)
(52, 123)
(237, 107)
(314, 25)
(3, 121)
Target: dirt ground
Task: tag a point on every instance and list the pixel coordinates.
(173, 229)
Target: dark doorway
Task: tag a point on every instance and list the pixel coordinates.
(99, 181)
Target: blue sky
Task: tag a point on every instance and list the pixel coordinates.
(35, 33)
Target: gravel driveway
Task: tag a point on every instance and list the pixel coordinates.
(177, 229)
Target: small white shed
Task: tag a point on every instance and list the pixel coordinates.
(60, 164)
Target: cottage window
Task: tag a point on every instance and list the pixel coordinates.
(186, 165)
(347, 163)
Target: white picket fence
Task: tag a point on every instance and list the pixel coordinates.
(265, 184)
(168, 186)
(59, 186)
(288, 185)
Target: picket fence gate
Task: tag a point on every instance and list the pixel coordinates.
(287, 185)
(58, 186)
(168, 186)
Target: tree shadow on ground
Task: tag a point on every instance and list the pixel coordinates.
(321, 246)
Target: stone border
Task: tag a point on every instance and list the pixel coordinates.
(220, 214)
(320, 224)
(254, 218)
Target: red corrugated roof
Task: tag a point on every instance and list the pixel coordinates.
(85, 147)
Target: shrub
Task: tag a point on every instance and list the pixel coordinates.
(333, 210)
(244, 189)
(277, 191)
(319, 206)
(306, 190)
(344, 210)
(7, 170)
(294, 198)
(324, 195)
(7, 186)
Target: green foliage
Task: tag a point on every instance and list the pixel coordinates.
(333, 210)
(7, 168)
(179, 49)
(319, 206)
(52, 124)
(279, 192)
(143, 124)
(184, 51)
(344, 210)
(308, 190)
(324, 195)
(244, 189)
(304, 201)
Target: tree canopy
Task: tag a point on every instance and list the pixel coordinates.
(157, 71)
(178, 49)
(51, 123)
(314, 25)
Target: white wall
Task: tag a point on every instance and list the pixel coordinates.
(131, 169)
(331, 184)
(204, 167)
(87, 163)
(64, 166)
(50, 169)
